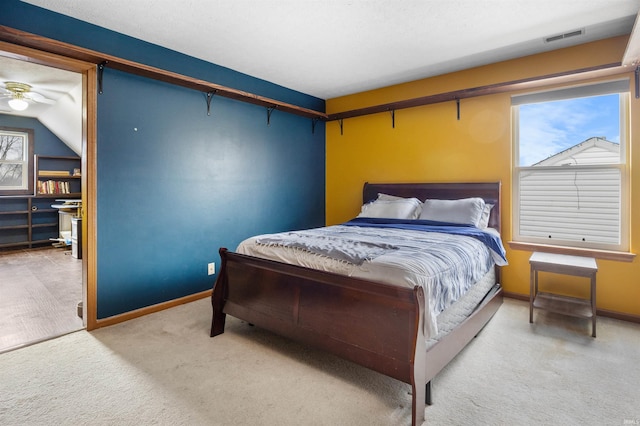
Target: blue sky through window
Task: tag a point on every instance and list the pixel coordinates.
(548, 128)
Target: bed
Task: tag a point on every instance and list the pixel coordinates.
(387, 328)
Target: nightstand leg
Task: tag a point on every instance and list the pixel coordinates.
(593, 305)
(532, 278)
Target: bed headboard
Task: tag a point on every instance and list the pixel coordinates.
(489, 191)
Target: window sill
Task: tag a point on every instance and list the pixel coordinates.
(619, 256)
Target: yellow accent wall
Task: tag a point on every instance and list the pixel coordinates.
(429, 144)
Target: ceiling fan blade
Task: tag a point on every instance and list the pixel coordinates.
(37, 97)
(52, 86)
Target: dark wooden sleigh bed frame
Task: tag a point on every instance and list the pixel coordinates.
(375, 325)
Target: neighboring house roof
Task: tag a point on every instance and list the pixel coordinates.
(593, 150)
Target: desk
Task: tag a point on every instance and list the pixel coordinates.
(68, 215)
(567, 265)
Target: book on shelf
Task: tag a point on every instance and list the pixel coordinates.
(53, 187)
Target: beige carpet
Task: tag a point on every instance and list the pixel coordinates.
(163, 369)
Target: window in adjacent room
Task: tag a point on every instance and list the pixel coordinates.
(16, 161)
(570, 166)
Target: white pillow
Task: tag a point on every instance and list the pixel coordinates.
(387, 197)
(467, 211)
(484, 220)
(402, 208)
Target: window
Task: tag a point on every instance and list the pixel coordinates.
(16, 161)
(570, 167)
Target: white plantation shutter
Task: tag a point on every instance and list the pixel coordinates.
(571, 204)
(577, 197)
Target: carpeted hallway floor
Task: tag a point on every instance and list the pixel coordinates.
(163, 369)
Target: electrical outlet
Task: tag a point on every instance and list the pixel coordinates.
(211, 268)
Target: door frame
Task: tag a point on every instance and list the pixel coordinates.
(88, 164)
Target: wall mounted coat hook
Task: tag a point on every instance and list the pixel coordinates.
(100, 73)
(458, 107)
(210, 96)
(341, 128)
(269, 111)
(393, 118)
(313, 125)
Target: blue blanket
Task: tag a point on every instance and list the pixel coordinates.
(492, 241)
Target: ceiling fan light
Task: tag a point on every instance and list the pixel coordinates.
(18, 104)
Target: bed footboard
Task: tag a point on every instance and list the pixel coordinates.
(374, 325)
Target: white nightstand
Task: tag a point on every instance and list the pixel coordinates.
(568, 265)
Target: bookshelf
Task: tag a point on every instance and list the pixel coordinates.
(57, 176)
(28, 221)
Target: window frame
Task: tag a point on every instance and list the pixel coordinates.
(27, 189)
(584, 90)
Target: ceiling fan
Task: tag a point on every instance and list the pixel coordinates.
(20, 95)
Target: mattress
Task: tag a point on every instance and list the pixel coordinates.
(461, 309)
(444, 265)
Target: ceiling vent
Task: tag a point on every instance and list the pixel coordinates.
(564, 36)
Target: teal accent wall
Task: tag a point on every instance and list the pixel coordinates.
(174, 184)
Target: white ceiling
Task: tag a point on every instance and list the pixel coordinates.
(330, 48)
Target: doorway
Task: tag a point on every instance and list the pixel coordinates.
(54, 277)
